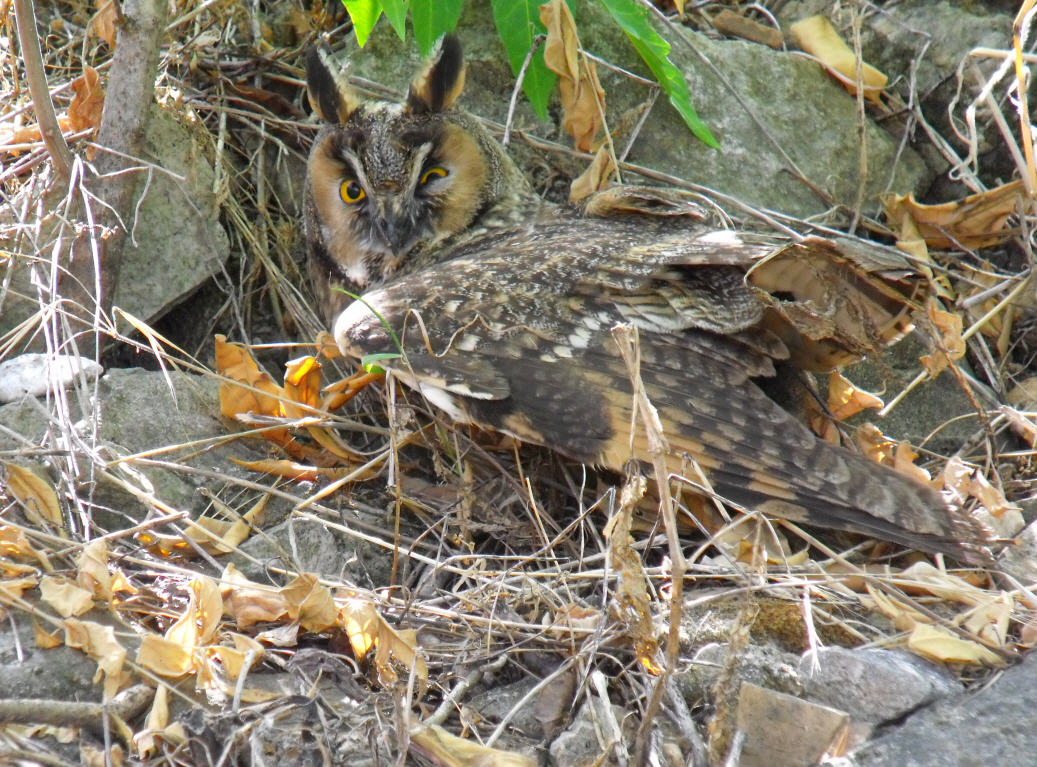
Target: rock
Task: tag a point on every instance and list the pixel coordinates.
(30, 375)
(175, 241)
(588, 740)
(786, 94)
(991, 726)
(137, 411)
(874, 686)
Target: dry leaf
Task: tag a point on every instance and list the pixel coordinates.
(14, 545)
(92, 572)
(993, 500)
(977, 221)
(292, 470)
(846, 400)
(632, 600)
(145, 741)
(940, 644)
(44, 639)
(1025, 426)
(596, 177)
(876, 445)
(165, 657)
(254, 390)
(956, 477)
(310, 603)
(817, 37)
(103, 22)
(65, 597)
(99, 643)
(36, 495)
(440, 747)
(13, 588)
(904, 457)
(88, 102)
(365, 629)
(250, 602)
(950, 346)
(733, 24)
(583, 100)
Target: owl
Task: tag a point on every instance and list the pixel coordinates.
(499, 307)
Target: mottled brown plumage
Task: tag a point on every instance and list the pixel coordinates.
(504, 311)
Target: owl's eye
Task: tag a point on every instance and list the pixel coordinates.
(433, 173)
(350, 191)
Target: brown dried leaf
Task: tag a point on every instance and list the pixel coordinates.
(88, 102)
(728, 22)
(596, 177)
(1022, 425)
(165, 657)
(817, 37)
(846, 400)
(45, 639)
(950, 346)
(876, 445)
(292, 470)
(254, 392)
(937, 643)
(92, 572)
(904, 458)
(250, 602)
(365, 628)
(103, 24)
(310, 603)
(583, 100)
(993, 500)
(99, 643)
(14, 545)
(977, 221)
(67, 599)
(35, 494)
(440, 747)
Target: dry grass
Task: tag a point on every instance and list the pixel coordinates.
(500, 556)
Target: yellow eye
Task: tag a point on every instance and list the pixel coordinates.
(350, 191)
(432, 173)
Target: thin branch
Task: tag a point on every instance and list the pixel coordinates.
(29, 41)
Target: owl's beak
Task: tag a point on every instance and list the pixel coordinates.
(396, 229)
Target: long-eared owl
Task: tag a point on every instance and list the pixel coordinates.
(500, 307)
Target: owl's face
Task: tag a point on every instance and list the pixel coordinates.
(388, 182)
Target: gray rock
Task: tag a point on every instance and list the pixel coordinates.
(745, 87)
(30, 375)
(26, 671)
(587, 741)
(135, 411)
(873, 686)
(993, 726)
(174, 244)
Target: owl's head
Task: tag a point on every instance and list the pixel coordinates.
(389, 182)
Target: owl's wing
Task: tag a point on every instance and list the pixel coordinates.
(568, 388)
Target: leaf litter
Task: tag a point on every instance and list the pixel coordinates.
(547, 561)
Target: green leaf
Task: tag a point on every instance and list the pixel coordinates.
(368, 361)
(364, 14)
(518, 22)
(432, 19)
(396, 12)
(633, 19)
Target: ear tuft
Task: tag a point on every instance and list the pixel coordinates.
(438, 85)
(330, 95)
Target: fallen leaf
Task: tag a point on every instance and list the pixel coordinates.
(950, 346)
(817, 37)
(88, 102)
(440, 747)
(35, 494)
(104, 21)
(292, 470)
(596, 177)
(365, 628)
(165, 657)
(728, 22)
(904, 457)
(65, 597)
(989, 496)
(1025, 426)
(977, 221)
(99, 643)
(249, 602)
(14, 545)
(846, 400)
(939, 644)
(92, 573)
(310, 603)
(44, 639)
